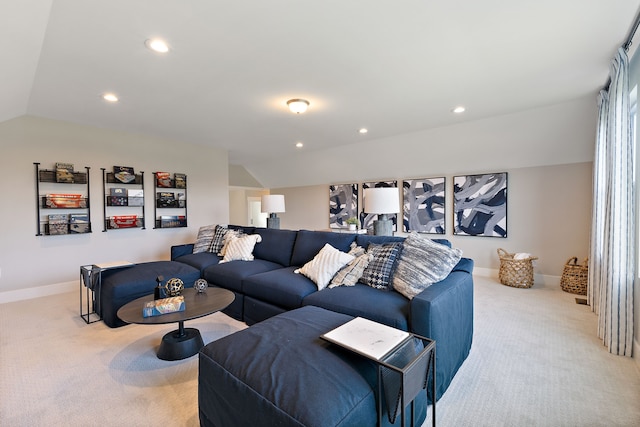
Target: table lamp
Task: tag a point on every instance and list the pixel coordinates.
(272, 204)
(382, 201)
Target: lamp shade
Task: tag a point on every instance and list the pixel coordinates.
(382, 200)
(272, 203)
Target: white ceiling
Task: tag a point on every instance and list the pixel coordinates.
(392, 66)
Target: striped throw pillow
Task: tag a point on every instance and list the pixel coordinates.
(325, 265)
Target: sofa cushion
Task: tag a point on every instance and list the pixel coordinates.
(230, 275)
(204, 238)
(422, 263)
(276, 245)
(279, 287)
(308, 244)
(325, 265)
(241, 247)
(389, 308)
(200, 260)
(380, 269)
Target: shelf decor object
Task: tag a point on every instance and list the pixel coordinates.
(273, 204)
(62, 200)
(382, 201)
(123, 198)
(170, 207)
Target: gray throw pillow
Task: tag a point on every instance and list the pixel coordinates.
(422, 263)
(203, 241)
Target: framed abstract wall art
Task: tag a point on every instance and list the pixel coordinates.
(480, 205)
(366, 219)
(343, 204)
(423, 205)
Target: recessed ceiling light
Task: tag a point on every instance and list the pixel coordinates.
(299, 144)
(110, 97)
(363, 130)
(157, 45)
(459, 109)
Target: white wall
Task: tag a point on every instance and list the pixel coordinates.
(28, 261)
(549, 212)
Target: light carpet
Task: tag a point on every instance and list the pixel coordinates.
(535, 361)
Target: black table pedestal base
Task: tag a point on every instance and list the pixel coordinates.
(180, 344)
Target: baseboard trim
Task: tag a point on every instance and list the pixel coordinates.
(38, 292)
(539, 280)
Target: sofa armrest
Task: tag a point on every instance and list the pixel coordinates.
(465, 264)
(180, 250)
(444, 313)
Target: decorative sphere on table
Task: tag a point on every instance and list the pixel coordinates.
(174, 287)
(200, 285)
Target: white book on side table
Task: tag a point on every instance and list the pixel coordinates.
(366, 337)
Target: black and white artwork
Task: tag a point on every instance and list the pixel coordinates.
(423, 205)
(480, 205)
(366, 220)
(343, 204)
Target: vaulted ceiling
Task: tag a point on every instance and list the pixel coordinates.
(392, 67)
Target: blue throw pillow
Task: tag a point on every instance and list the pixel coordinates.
(380, 270)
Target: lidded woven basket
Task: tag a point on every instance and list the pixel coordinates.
(575, 276)
(517, 273)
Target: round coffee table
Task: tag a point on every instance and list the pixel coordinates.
(183, 342)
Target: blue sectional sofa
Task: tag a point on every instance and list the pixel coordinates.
(267, 286)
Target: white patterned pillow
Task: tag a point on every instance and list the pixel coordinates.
(351, 273)
(203, 241)
(422, 263)
(228, 235)
(379, 271)
(325, 265)
(241, 248)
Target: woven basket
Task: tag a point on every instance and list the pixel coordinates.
(517, 273)
(574, 276)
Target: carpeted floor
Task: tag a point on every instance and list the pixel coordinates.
(535, 361)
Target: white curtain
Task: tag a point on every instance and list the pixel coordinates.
(612, 252)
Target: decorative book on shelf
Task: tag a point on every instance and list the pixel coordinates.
(124, 174)
(163, 306)
(166, 200)
(125, 221)
(180, 180)
(64, 201)
(163, 180)
(58, 224)
(172, 221)
(118, 197)
(64, 172)
(136, 197)
(79, 223)
(366, 337)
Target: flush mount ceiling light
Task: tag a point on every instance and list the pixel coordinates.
(299, 144)
(363, 130)
(110, 97)
(157, 45)
(459, 109)
(298, 105)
